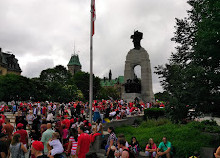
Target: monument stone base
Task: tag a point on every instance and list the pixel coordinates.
(129, 97)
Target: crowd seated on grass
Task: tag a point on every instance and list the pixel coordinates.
(119, 147)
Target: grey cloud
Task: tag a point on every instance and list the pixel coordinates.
(49, 28)
(33, 69)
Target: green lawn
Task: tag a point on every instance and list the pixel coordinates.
(186, 138)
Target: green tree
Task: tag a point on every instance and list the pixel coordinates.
(39, 90)
(81, 79)
(108, 93)
(56, 84)
(58, 74)
(192, 74)
(162, 96)
(15, 87)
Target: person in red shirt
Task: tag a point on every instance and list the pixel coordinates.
(1, 123)
(8, 128)
(3, 116)
(87, 125)
(83, 143)
(23, 134)
(66, 122)
(44, 110)
(132, 109)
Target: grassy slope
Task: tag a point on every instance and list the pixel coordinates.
(186, 138)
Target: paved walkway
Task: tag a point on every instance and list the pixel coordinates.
(217, 119)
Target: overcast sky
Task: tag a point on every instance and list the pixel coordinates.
(41, 33)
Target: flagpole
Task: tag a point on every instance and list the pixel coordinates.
(91, 67)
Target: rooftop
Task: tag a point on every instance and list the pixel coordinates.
(9, 61)
(111, 83)
(74, 60)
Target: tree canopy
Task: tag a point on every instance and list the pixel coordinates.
(192, 75)
(54, 84)
(81, 79)
(14, 87)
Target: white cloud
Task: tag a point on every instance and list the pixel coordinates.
(41, 33)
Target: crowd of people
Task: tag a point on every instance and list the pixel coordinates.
(53, 129)
(109, 108)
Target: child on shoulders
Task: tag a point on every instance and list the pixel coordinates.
(56, 145)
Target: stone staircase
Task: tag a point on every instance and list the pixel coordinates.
(11, 117)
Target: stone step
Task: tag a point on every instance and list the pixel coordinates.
(100, 155)
(10, 118)
(141, 154)
(9, 113)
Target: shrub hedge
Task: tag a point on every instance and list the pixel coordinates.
(154, 113)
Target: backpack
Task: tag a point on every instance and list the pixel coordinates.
(131, 153)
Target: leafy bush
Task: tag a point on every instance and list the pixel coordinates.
(196, 125)
(212, 129)
(154, 113)
(137, 121)
(154, 122)
(205, 126)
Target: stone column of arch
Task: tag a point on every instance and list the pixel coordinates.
(139, 57)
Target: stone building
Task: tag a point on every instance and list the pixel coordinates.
(9, 64)
(116, 83)
(74, 64)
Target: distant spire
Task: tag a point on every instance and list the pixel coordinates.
(74, 51)
(110, 75)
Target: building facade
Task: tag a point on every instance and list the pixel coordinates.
(9, 64)
(116, 83)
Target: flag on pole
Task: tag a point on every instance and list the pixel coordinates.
(92, 32)
(93, 17)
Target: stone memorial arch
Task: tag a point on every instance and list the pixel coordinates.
(133, 87)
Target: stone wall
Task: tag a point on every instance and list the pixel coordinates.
(117, 123)
(96, 145)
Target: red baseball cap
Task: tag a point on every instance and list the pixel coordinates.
(38, 145)
(20, 125)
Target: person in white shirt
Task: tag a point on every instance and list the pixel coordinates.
(56, 144)
(128, 111)
(30, 118)
(49, 107)
(35, 110)
(122, 102)
(112, 114)
(50, 117)
(54, 107)
(148, 105)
